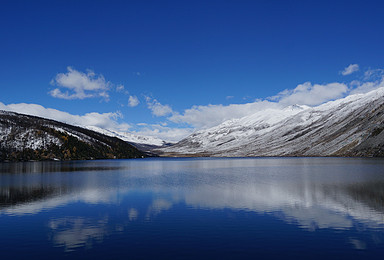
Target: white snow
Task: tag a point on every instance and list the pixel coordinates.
(128, 137)
(29, 139)
(267, 132)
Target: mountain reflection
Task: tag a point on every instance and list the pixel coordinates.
(370, 193)
(310, 207)
(13, 196)
(45, 167)
(310, 197)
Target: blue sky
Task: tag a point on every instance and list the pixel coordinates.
(185, 65)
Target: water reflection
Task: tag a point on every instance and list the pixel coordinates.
(53, 166)
(157, 206)
(13, 196)
(310, 193)
(358, 244)
(369, 193)
(72, 233)
(133, 214)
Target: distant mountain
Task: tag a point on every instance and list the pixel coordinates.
(24, 137)
(136, 140)
(352, 126)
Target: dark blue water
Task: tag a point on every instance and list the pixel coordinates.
(263, 208)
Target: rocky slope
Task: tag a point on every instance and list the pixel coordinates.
(351, 126)
(24, 138)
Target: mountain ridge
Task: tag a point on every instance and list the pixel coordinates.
(139, 140)
(24, 137)
(351, 126)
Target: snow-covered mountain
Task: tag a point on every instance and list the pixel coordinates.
(24, 137)
(350, 126)
(129, 137)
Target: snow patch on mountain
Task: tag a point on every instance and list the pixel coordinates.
(29, 139)
(24, 138)
(333, 128)
(129, 137)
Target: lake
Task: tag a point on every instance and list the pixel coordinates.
(193, 208)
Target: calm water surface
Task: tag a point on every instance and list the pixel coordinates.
(265, 208)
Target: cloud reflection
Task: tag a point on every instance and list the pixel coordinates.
(72, 233)
(358, 244)
(133, 214)
(307, 204)
(158, 205)
(301, 195)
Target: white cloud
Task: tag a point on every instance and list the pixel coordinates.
(157, 108)
(211, 115)
(308, 94)
(350, 69)
(202, 117)
(121, 89)
(79, 85)
(169, 134)
(194, 118)
(365, 87)
(102, 120)
(133, 101)
(374, 74)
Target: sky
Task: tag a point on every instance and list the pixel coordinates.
(168, 68)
